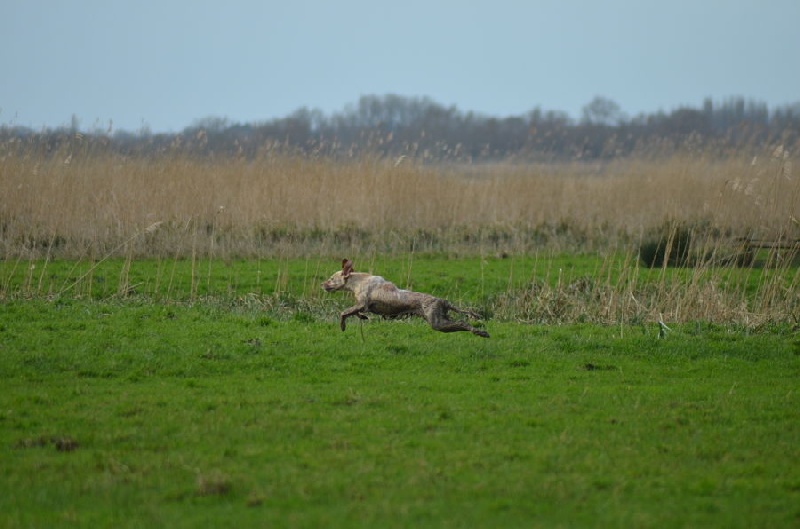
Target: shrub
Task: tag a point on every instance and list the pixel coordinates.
(668, 246)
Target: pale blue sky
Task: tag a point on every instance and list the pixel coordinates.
(165, 63)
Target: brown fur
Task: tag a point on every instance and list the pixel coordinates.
(376, 295)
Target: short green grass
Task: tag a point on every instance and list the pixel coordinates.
(182, 279)
(490, 283)
(147, 413)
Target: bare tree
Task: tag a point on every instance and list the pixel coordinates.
(602, 111)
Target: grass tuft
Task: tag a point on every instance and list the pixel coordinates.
(214, 484)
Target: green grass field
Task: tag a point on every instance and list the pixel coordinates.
(201, 393)
(168, 359)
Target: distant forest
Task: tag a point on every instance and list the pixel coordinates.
(420, 128)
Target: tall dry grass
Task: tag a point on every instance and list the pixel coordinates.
(75, 202)
(86, 204)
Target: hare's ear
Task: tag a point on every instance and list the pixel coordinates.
(347, 267)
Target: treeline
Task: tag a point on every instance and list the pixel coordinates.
(418, 127)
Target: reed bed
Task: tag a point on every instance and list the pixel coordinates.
(76, 202)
